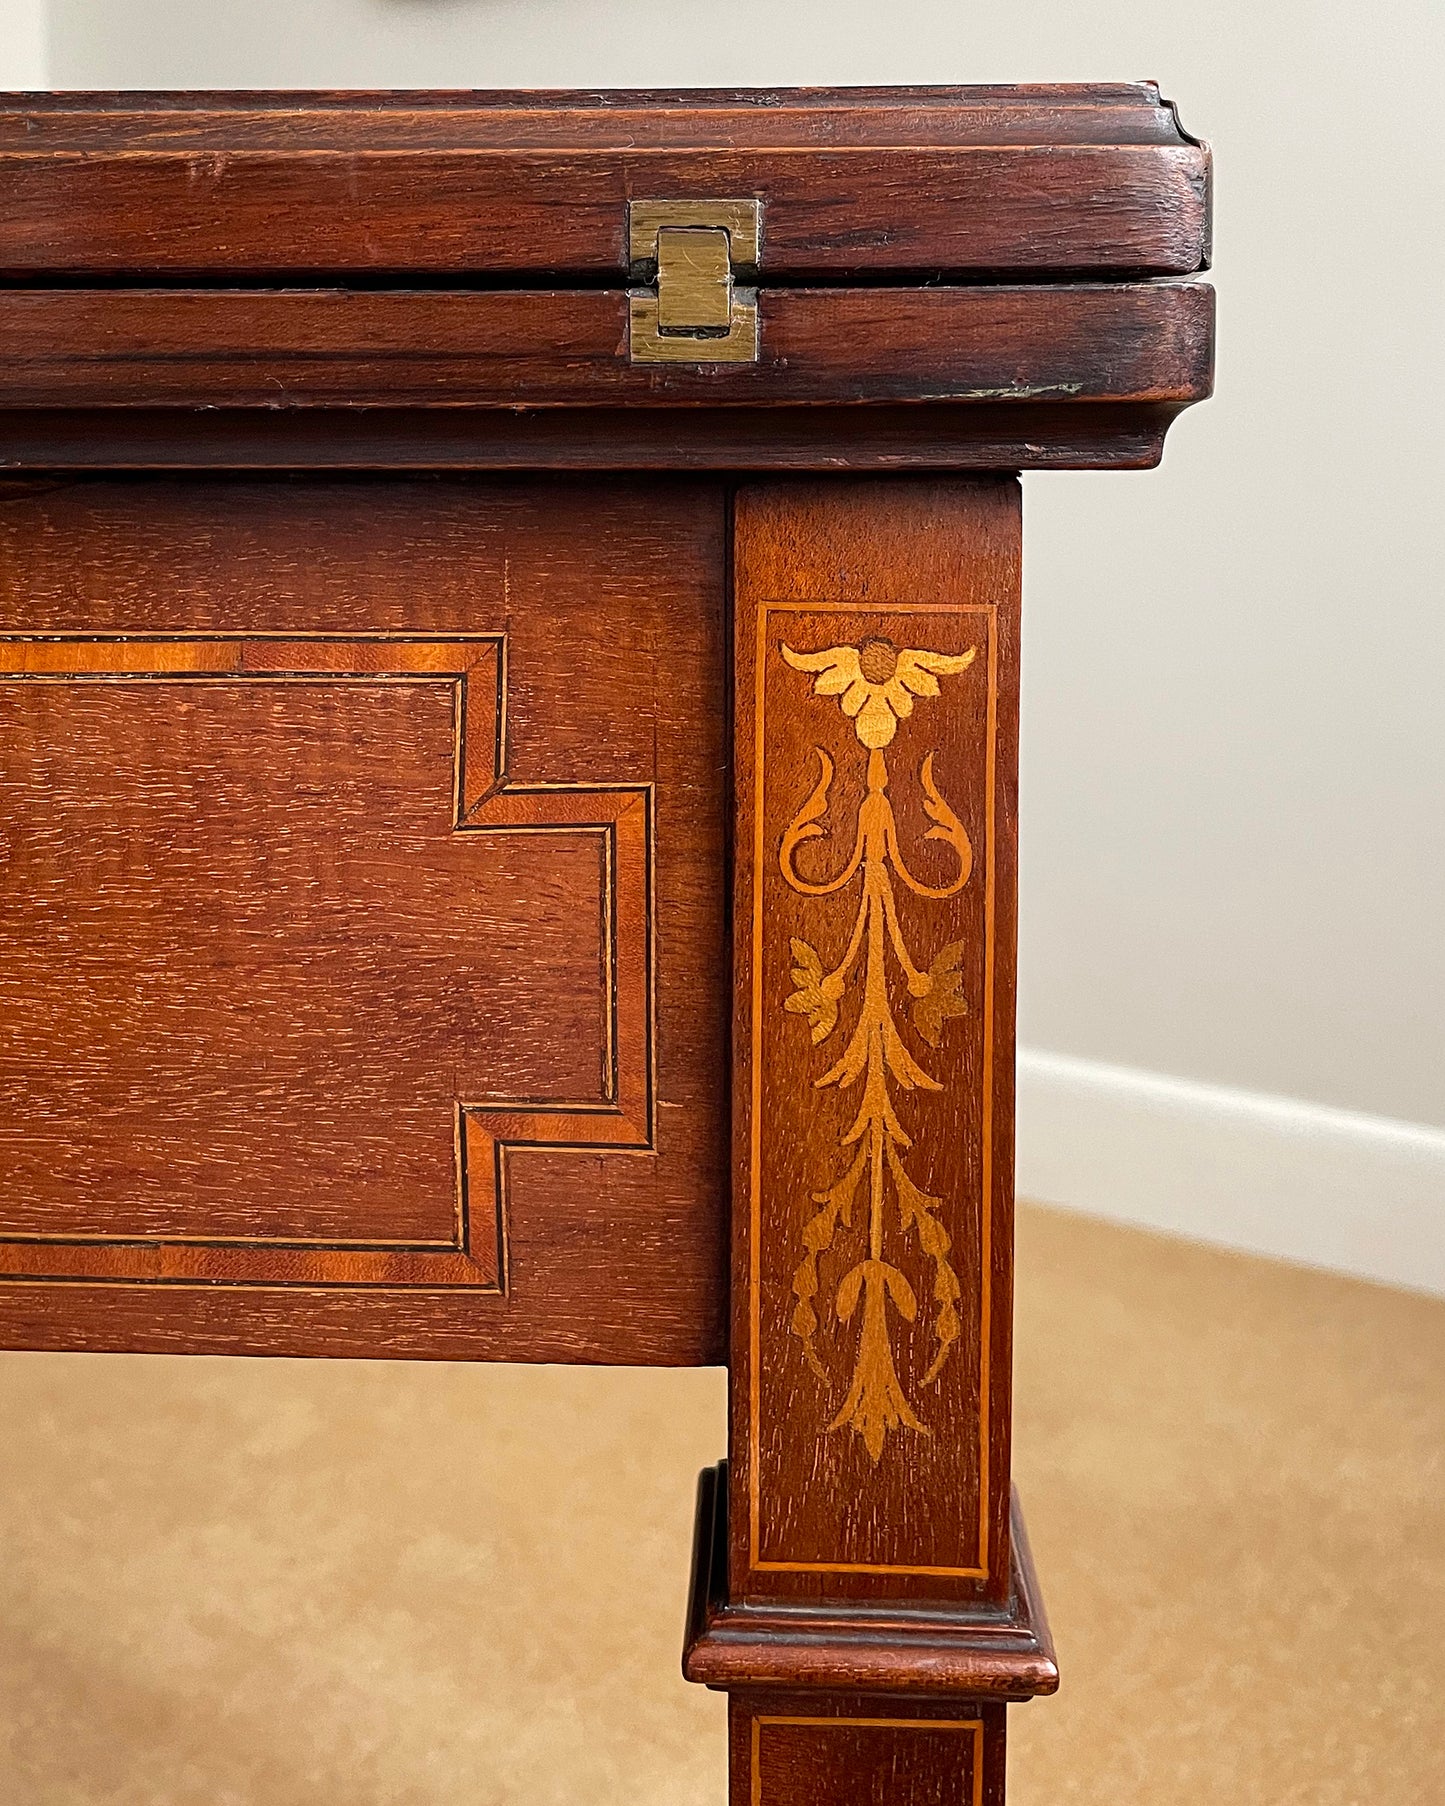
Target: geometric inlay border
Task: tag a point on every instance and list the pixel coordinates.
(487, 1129)
(973, 1729)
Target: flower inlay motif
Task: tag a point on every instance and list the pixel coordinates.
(876, 684)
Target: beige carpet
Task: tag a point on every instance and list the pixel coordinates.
(345, 1584)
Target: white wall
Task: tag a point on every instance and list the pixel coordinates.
(1234, 763)
(22, 44)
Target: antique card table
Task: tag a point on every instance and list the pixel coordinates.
(509, 631)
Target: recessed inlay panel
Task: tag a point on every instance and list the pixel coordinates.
(905, 1761)
(271, 915)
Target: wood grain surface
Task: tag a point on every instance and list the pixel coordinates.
(1024, 179)
(351, 829)
(873, 1043)
(1140, 343)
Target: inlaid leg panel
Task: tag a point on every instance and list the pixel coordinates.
(876, 647)
(832, 1750)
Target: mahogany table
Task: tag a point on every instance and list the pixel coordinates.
(509, 614)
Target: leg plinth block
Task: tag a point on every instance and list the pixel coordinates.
(937, 1653)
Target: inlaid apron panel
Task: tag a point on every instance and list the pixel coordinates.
(342, 825)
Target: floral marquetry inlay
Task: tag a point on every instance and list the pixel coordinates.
(878, 992)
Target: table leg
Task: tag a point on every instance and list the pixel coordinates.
(858, 1590)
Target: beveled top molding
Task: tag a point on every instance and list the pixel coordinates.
(1072, 112)
(1024, 180)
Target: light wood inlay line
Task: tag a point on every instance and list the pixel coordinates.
(619, 818)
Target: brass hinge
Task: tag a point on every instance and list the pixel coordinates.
(694, 314)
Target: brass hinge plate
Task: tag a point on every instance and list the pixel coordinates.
(694, 314)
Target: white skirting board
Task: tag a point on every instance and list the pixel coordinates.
(22, 44)
(1269, 1175)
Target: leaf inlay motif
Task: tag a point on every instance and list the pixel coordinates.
(876, 686)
